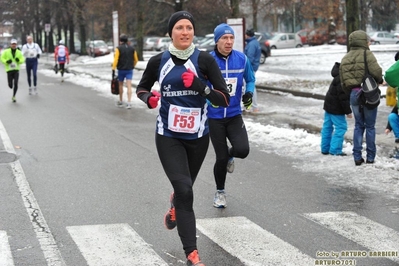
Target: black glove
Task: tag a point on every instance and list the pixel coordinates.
(38, 56)
(247, 100)
(113, 73)
(8, 61)
(17, 59)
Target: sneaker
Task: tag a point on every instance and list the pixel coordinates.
(340, 154)
(325, 153)
(119, 104)
(219, 200)
(128, 105)
(230, 165)
(359, 162)
(369, 162)
(14, 99)
(193, 259)
(30, 91)
(170, 216)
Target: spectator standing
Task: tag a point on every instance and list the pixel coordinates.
(352, 71)
(12, 58)
(226, 122)
(336, 106)
(253, 52)
(61, 56)
(125, 60)
(182, 133)
(31, 52)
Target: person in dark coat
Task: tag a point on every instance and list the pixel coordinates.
(336, 106)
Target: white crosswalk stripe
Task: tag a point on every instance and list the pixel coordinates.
(5, 251)
(120, 244)
(113, 244)
(372, 235)
(250, 243)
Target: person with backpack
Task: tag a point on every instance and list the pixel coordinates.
(31, 52)
(12, 58)
(336, 106)
(125, 60)
(352, 74)
(61, 56)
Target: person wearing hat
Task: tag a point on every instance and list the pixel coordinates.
(253, 51)
(125, 60)
(61, 56)
(31, 52)
(226, 123)
(12, 58)
(182, 132)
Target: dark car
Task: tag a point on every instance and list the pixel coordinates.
(98, 48)
(264, 46)
(209, 45)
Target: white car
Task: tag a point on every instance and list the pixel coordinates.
(383, 37)
(162, 44)
(285, 40)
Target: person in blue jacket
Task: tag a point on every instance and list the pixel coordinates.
(253, 52)
(226, 123)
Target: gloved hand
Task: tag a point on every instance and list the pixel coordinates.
(17, 59)
(38, 56)
(190, 80)
(247, 100)
(152, 101)
(9, 61)
(113, 74)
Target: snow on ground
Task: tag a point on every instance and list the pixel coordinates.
(310, 64)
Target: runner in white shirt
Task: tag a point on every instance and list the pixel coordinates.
(31, 52)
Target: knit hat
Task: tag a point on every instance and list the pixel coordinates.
(178, 16)
(250, 32)
(13, 41)
(61, 42)
(221, 30)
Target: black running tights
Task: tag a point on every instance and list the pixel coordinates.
(181, 160)
(12, 77)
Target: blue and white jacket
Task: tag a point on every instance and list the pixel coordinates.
(236, 70)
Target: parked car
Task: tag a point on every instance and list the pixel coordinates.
(208, 45)
(285, 40)
(304, 35)
(163, 43)
(98, 48)
(264, 45)
(383, 37)
(320, 36)
(149, 43)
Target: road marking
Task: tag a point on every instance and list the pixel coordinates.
(372, 235)
(113, 244)
(250, 243)
(43, 233)
(5, 251)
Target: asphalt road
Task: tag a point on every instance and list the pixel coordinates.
(87, 188)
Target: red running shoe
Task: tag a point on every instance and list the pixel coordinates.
(193, 259)
(170, 216)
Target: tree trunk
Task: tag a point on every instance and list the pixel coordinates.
(235, 9)
(352, 18)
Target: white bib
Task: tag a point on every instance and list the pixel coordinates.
(184, 119)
